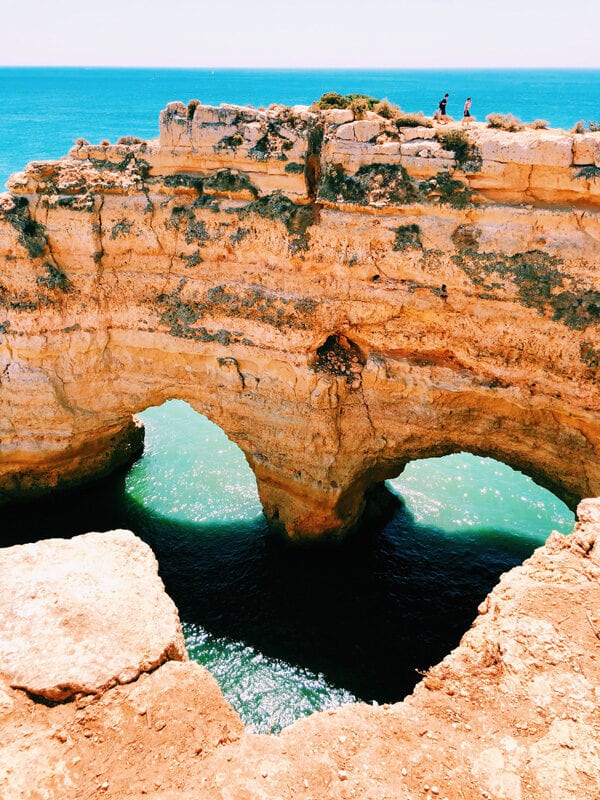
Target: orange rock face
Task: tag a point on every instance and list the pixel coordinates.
(340, 296)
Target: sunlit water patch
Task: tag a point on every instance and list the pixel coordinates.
(268, 693)
(190, 470)
(464, 492)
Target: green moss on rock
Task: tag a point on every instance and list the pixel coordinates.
(179, 315)
(271, 145)
(296, 218)
(372, 183)
(227, 180)
(229, 143)
(121, 228)
(130, 162)
(590, 355)
(539, 282)
(54, 278)
(448, 190)
(407, 237)
(466, 237)
(184, 221)
(184, 180)
(31, 234)
(588, 172)
(257, 304)
(294, 168)
(577, 310)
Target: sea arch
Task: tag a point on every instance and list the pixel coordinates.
(334, 330)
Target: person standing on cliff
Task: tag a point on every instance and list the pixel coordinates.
(442, 107)
(467, 112)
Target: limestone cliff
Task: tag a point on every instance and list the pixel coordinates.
(341, 296)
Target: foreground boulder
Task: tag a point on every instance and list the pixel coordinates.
(81, 615)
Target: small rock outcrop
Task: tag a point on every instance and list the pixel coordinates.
(81, 615)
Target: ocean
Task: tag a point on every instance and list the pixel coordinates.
(44, 110)
(286, 631)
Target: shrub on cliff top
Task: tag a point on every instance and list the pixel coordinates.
(594, 126)
(359, 107)
(467, 154)
(387, 110)
(331, 100)
(336, 100)
(413, 121)
(539, 124)
(504, 122)
(370, 101)
(130, 140)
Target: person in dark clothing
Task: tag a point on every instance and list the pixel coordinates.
(467, 111)
(442, 107)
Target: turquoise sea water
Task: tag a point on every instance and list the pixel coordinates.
(287, 632)
(43, 111)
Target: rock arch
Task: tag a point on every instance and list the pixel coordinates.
(202, 267)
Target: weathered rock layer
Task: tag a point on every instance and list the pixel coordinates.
(340, 296)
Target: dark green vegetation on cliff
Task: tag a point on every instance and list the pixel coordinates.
(296, 218)
(223, 181)
(407, 237)
(54, 278)
(467, 155)
(32, 234)
(372, 183)
(181, 313)
(538, 279)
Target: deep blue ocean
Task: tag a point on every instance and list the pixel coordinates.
(287, 631)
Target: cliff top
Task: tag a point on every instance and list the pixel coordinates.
(335, 157)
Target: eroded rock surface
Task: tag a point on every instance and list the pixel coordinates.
(80, 615)
(511, 714)
(221, 263)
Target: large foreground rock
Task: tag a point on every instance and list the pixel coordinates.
(84, 614)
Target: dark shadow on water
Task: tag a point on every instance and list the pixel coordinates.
(368, 614)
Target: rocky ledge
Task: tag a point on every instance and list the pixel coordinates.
(511, 714)
(340, 295)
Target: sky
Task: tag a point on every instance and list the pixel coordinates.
(303, 33)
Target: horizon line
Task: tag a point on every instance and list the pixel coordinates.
(304, 68)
